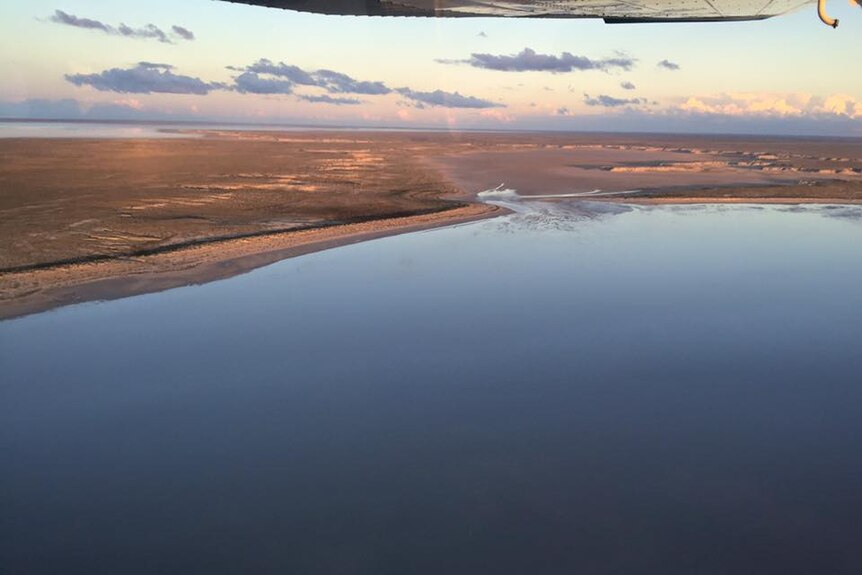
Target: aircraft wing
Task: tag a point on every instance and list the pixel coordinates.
(612, 11)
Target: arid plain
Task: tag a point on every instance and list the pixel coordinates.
(86, 219)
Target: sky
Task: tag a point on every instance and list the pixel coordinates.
(209, 60)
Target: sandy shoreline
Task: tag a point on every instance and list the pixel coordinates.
(96, 219)
(38, 290)
(693, 200)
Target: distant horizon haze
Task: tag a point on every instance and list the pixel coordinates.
(222, 62)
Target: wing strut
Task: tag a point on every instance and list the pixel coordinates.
(824, 17)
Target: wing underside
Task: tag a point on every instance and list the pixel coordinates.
(614, 11)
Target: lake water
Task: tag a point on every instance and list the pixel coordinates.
(132, 130)
(572, 389)
(119, 130)
(128, 130)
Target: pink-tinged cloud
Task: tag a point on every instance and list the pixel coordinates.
(774, 105)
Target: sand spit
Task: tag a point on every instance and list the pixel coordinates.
(47, 287)
(98, 219)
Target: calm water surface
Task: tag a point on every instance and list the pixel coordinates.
(110, 130)
(566, 390)
(10, 128)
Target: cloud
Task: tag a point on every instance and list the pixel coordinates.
(324, 99)
(183, 33)
(563, 111)
(627, 86)
(668, 65)
(339, 83)
(841, 105)
(61, 17)
(446, 99)
(529, 61)
(150, 31)
(145, 78)
(783, 105)
(253, 83)
(156, 65)
(497, 115)
(816, 119)
(482, 35)
(265, 77)
(294, 74)
(611, 102)
(281, 78)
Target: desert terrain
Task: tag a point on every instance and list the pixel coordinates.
(671, 168)
(86, 219)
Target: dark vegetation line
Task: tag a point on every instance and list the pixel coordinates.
(95, 258)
